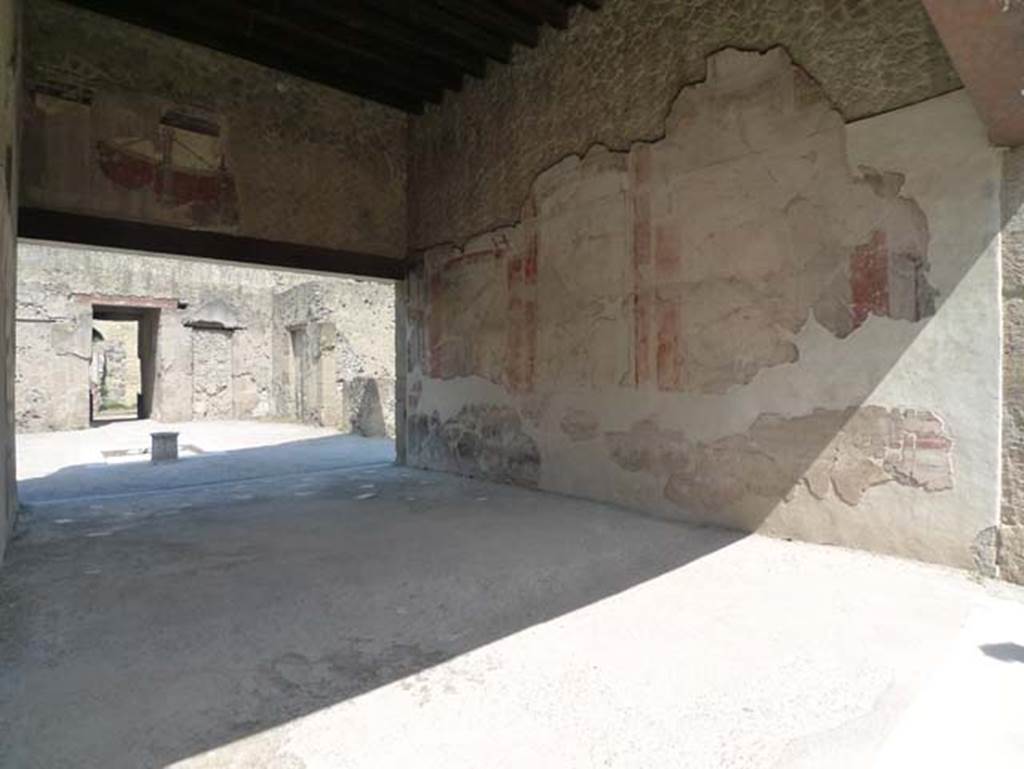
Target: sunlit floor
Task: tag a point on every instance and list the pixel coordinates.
(72, 464)
(372, 616)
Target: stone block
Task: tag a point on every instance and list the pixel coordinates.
(1011, 553)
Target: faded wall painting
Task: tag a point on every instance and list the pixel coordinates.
(588, 347)
(155, 161)
(184, 167)
(689, 263)
(127, 123)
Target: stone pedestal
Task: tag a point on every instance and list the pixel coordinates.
(165, 447)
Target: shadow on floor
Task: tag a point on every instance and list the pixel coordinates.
(1004, 652)
(305, 456)
(140, 629)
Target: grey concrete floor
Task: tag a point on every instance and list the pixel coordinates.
(375, 616)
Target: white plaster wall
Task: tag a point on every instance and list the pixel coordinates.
(950, 363)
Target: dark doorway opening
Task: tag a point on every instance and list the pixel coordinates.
(123, 371)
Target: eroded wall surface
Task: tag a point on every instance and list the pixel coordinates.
(217, 335)
(611, 76)
(10, 73)
(341, 372)
(769, 319)
(117, 372)
(1011, 531)
(127, 123)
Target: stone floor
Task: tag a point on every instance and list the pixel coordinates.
(77, 463)
(318, 607)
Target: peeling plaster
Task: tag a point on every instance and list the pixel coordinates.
(831, 452)
(580, 425)
(706, 252)
(480, 441)
(886, 299)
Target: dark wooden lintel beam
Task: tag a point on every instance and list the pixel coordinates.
(101, 232)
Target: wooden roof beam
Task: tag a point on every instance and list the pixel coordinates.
(383, 28)
(494, 17)
(420, 14)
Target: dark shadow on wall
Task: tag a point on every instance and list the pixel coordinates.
(366, 409)
(143, 628)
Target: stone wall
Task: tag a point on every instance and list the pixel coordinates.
(10, 59)
(754, 289)
(131, 124)
(1011, 532)
(120, 375)
(768, 319)
(216, 327)
(612, 75)
(338, 377)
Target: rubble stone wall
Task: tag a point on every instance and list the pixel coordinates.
(219, 328)
(769, 318)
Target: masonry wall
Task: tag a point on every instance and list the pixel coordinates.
(215, 338)
(758, 314)
(116, 355)
(127, 123)
(611, 77)
(1011, 532)
(346, 380)
(10, 58)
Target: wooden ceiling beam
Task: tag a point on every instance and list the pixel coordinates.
(301, 28)
(550, 12)
(213, 33)
(421, 14)
(291, 41)
(384, 29)
(494, 17)
(397, 52)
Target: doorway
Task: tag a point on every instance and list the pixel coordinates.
(123, 369)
